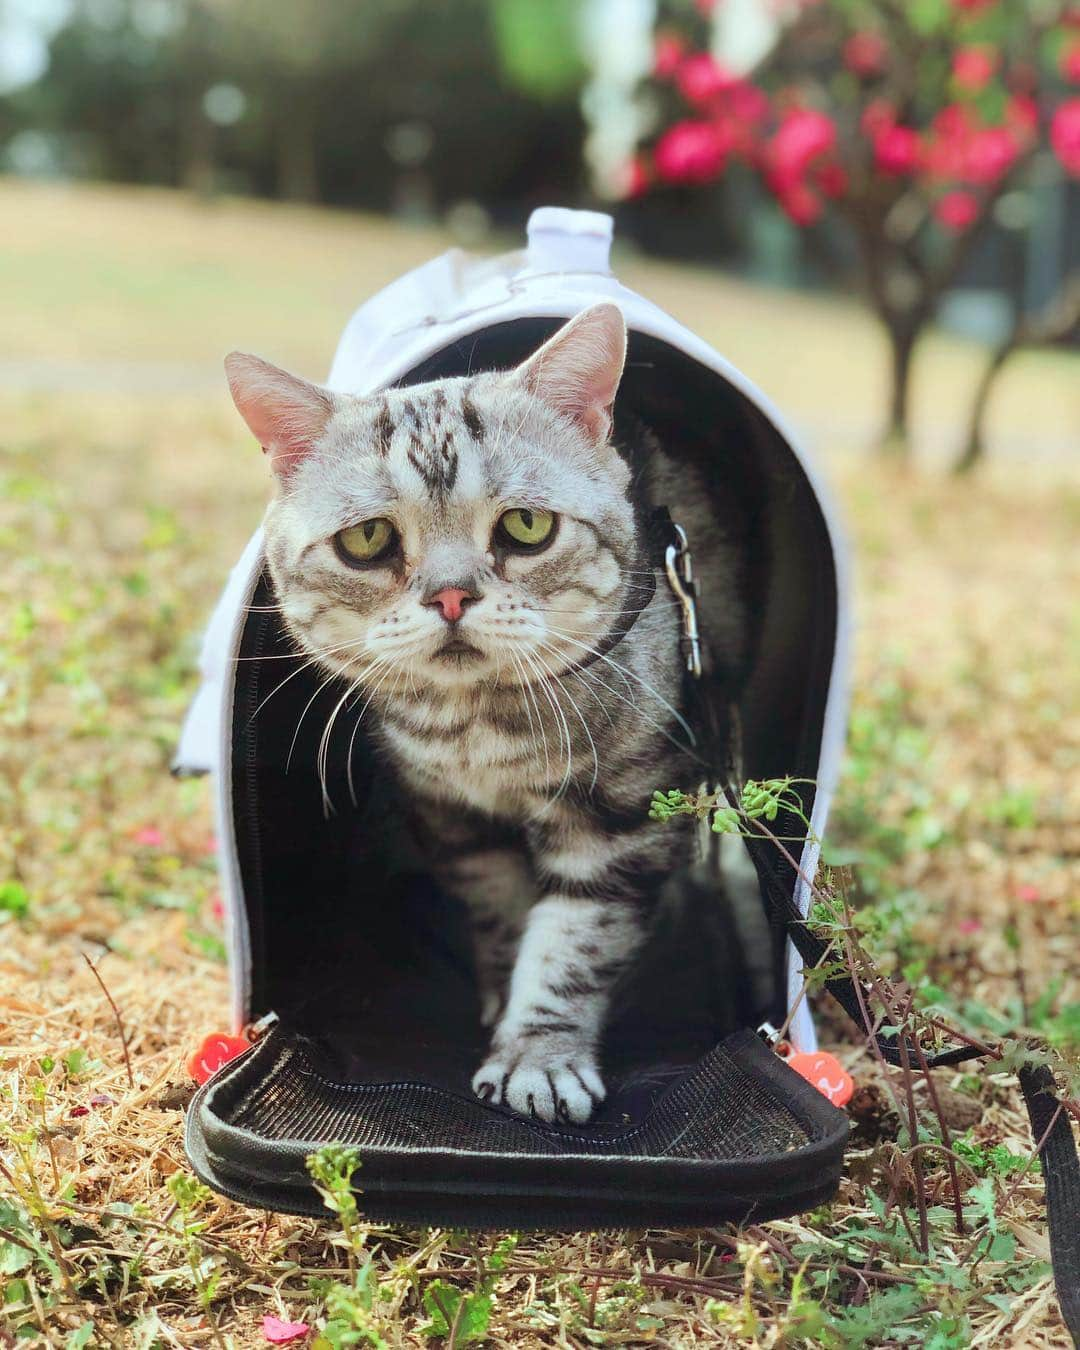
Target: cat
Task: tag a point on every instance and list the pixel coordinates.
(472, 556)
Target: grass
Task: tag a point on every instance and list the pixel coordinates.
(122, 511)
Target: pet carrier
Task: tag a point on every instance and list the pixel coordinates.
(356, 969)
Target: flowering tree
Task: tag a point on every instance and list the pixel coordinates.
(906, 120)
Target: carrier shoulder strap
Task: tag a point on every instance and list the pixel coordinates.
(1049, 1118)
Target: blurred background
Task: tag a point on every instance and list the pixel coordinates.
(903, 176)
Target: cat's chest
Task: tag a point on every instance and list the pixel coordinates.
(493, 766)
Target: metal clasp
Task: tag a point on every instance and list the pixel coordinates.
(680, 574)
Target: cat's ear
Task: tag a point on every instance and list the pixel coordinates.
(578, 370)
(287, 415)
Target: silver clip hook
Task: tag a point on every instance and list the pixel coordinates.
(680, 574)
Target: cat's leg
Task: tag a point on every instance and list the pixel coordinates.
(497, 886)
(579, 939)
(484, 864)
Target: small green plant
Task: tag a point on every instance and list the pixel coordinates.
(462, 1316)
(353, 1314)
(758, 800)
(190, 1198)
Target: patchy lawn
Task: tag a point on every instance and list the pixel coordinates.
(120, 515)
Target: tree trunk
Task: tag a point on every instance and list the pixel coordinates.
(297, 166)
(975, 447)
(904, 335)
(197, 161)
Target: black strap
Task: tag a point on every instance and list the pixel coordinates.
(1050, 1124)
(1052, 1131)
(657, 532)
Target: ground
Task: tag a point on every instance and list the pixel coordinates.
(129, 489)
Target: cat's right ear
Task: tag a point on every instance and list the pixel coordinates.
(287, 415)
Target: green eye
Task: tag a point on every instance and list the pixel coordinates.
(525, 528)
(366, 542)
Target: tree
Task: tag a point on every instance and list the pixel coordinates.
(906, 122)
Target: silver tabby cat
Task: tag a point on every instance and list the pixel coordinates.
(462, 553)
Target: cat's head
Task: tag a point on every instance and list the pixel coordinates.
(463, 530)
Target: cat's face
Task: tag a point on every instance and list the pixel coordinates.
(465, 530)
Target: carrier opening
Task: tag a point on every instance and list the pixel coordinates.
(351, 943)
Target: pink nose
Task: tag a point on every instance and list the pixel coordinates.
(452, 601)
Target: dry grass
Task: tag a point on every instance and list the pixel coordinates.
(121, 514)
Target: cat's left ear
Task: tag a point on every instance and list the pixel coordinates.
(577, 371)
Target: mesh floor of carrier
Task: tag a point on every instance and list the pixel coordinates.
(336, 929)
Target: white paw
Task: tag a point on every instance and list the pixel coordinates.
(548, 1083)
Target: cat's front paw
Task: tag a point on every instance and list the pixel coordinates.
(550, 1083)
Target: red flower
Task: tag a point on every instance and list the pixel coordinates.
(692, 152)
(865, 53)
(972, 6)
(701, 79)
(832, 179)
(800, 204)
(803, 137)
(953, 121)
(1065, 135)
(974, 67)
(957, 212)
(878, 115)
(746, 103)
(1022, 115)
(990, 154)
(896, 150)
(1070, 62)
(668, 52)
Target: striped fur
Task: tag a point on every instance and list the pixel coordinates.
(529, 764)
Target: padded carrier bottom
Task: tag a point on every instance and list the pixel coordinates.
(737, 1136)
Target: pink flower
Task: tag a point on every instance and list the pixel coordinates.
(896, 150)
(974, 67)
(217, 908)
(969, 925)
(701, 78)
(278, 1332)
(1027, 894)
(668, 52)
(990, 155)
(865, 53)
(211, 845)
(692, 152)
(972, 6)
(1065, 135)
(149, 837)
(1070, 62)
(705, 7)
(957, 212)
